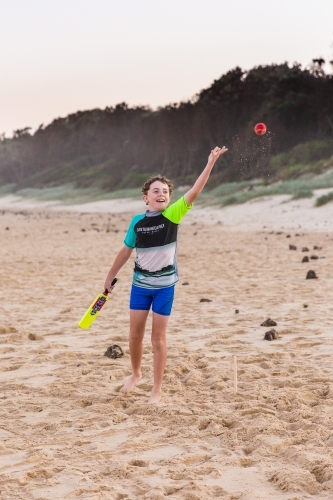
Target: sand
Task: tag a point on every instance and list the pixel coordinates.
(66, 431)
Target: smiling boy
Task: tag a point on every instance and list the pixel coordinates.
(154, 236)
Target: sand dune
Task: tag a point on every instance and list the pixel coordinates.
(67, 432)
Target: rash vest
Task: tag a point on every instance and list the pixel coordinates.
(154, 236)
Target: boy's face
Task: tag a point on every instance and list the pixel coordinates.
(158, 196)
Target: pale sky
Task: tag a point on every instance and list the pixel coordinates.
(61, 56)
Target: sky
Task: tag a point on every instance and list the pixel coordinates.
(61, 56)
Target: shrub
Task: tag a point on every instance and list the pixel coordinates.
(326, 198)
(303, 193)
(291, 172)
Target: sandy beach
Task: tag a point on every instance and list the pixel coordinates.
(66, 431)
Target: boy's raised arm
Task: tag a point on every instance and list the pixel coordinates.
(200, 183)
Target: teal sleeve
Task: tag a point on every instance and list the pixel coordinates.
(130, 238)
(177, 210)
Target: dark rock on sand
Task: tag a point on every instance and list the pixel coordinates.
(305, 249)
(114, 351)
(205, 300)
(314, 257)
(292, 247)
(236, 311)
(305, 258)
(269, 322)
(271, 335)
(185, 283)
(311, 275)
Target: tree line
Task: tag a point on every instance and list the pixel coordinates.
(119, 146)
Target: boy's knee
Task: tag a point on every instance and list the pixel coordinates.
(158, 343)
(136, 336)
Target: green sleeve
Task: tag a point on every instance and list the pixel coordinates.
(176, 211)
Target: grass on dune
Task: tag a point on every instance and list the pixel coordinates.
(238, 193)
(302, 193)
(7, 189)
(69, 194)
(226, 194)
(232, 193)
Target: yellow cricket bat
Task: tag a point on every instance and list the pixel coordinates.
(91, 314)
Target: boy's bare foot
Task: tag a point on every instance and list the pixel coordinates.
(131, 383)
(155, 397)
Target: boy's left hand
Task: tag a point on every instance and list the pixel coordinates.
(216, 153)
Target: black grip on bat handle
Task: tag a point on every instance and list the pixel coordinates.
(114, 281)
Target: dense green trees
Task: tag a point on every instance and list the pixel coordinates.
(119, 146)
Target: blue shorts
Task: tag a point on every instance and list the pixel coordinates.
(161, 299)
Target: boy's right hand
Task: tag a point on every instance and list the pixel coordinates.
(109, 284)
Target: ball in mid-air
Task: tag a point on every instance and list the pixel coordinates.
(260, 129)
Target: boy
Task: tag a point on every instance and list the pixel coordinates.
(154, 235)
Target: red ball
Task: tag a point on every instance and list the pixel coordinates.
(260, 129)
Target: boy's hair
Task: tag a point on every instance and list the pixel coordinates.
(159, 177)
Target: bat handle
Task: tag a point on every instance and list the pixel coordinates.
(114, 281)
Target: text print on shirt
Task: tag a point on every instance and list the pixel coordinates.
(150, 229)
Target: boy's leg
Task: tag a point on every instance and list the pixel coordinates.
(137, 330)
(162, 305)
(158, 340)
